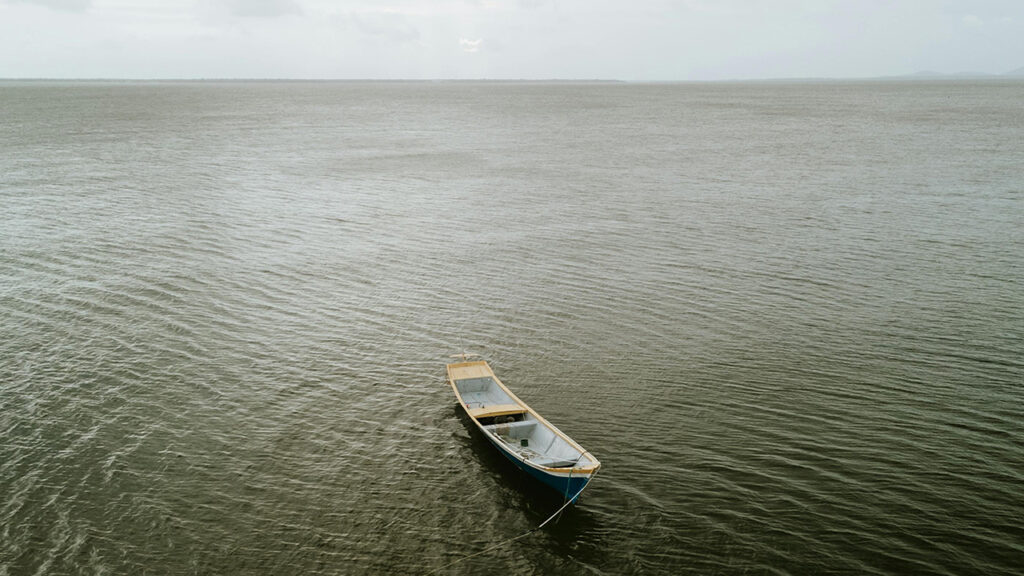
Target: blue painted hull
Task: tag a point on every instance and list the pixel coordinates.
(563, 484)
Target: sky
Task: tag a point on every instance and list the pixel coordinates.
(638, 40)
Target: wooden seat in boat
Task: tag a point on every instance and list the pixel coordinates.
(496, 410)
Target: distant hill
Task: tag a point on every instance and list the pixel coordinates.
(967, 74)
(933, 75)
(961, 74)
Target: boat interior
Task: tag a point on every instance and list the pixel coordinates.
(513, 424)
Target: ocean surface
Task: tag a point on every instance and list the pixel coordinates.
(788, 318)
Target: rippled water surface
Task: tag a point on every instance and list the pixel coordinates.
(787, 318)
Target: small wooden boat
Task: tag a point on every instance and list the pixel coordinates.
(532, 443)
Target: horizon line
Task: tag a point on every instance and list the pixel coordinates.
(916, 76)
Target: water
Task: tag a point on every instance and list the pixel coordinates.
(787, 318)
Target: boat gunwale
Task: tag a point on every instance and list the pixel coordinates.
(588, 470)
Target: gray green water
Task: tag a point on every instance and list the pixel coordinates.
(787, 318)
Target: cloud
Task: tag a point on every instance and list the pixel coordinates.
(972, 21)
(261, 8)
(65, 5)
(650, 40)
(392, 25)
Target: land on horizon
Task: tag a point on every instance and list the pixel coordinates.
(923, 75)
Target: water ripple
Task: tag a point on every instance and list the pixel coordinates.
(225, 309)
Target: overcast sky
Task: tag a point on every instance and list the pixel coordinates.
(628, 40)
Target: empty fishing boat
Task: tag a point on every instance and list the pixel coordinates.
(532, 443)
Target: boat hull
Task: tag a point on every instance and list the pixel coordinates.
(526, 439)
(568, 484)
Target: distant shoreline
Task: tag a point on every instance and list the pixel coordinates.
(326, 80)
(908, 78)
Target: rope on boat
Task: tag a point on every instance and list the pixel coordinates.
(569, 481)
(523, 535)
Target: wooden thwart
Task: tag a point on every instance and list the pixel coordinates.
(496, 410)
(478, 369)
